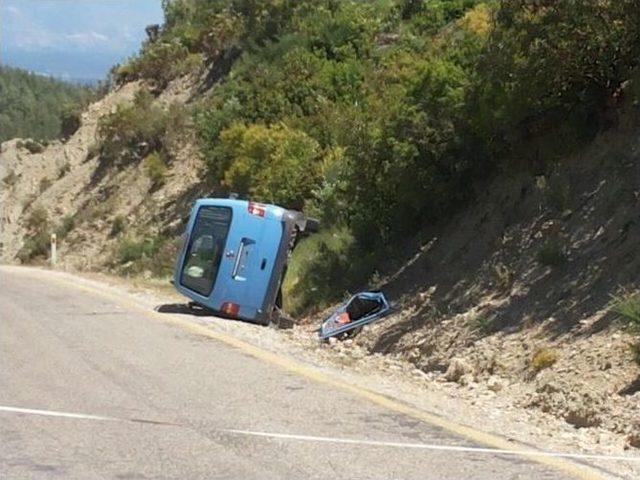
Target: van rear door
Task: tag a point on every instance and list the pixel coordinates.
(253, 246)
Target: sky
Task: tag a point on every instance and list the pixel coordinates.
(76, 40)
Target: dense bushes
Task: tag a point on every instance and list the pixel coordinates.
(70, 118)
(135, 131)
(160, 63)
(385, 121)
(323, 267)
(155, 254)
(551, 69)
(274, 164)
(39, 228)
(156, 167)
(379, 116)
(38, 237)
(132, 130)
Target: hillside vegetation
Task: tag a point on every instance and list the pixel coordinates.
(379, 117)
(38, 107)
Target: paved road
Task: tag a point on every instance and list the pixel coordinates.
(67, 350)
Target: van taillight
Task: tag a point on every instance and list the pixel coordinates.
(230, 308)
(257, 209)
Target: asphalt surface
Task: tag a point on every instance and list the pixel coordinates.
(64, 350)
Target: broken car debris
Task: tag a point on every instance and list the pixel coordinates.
(361, 309)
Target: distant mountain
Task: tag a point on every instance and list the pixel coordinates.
(77, 41)
(33, 105)
(81, 67)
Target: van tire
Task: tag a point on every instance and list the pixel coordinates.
(281, 320)
(312, 225)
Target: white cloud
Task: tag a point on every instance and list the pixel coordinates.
(93, 31)
(86, 39)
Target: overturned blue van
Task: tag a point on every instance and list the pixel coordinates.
(234, 255)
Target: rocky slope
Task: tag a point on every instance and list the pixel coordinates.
(68, 180)
(514, 294)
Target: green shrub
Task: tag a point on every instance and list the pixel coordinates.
(132, 250)
(323, 268)
(551, 254)
(156, 168)
(68, 223)
(481, 323)
(273, 164)
(33, 146)
(70, 119)
(134, 131)
(35, 246)
(160, 62)
(626, 304)
(45, 183)
(38, 220)
(542, 358)
(155, 254)
(549, 70)
(38, 237)
(118, 226)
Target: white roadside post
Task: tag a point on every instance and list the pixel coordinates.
(54, 253)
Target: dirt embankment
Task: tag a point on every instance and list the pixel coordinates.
(513, 295)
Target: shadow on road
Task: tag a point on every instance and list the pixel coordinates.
(185, 309)
(280, 321)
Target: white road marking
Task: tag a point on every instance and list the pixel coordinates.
(348, 441)
(80, 416)
(53, 413)
(426, 446)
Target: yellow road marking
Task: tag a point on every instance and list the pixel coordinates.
(578, 471)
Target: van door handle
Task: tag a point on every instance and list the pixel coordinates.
(236, 265)
(229, 254)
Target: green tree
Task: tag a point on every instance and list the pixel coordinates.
(276, 164)
(33, 106)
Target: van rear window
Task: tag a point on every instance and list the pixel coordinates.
(206, 245)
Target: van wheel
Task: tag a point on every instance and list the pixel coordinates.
(312, 226)
(281, 320)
